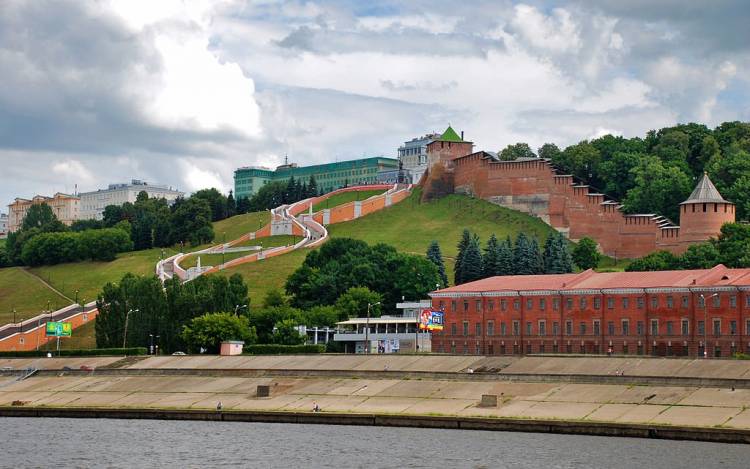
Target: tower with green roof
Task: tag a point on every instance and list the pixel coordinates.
(449, 146)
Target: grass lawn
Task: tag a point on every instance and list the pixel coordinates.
(82, 338)
(345, 197)
(211, 259)
(271, 241)
(239, 225)
(22, 291)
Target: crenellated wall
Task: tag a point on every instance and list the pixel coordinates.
(534, 187)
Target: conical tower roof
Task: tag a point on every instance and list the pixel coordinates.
(705, 192)
(450, 135)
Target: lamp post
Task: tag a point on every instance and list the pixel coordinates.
(223, 247)
(238, 307)
(76, 296)
(705, 324)
(125, 334)
(367, 327)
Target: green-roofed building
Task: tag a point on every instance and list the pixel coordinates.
(450, 135)
(328, 176)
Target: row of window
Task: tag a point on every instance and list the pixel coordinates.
(541, 329)
(583, 302)
(665, 350)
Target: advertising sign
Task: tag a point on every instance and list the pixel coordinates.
(59, 329)
(431, 320)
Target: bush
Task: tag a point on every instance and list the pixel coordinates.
(276, 349)
(77, 353)
(60, 247)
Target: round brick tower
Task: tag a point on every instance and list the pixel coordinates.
(703, 213)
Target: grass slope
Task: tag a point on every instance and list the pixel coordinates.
(82, 338)
(410, 226)
(29, 296)
(239, 225)
(345, 197)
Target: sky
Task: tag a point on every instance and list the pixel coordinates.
(183, 92)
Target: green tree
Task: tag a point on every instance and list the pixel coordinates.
(286, 332)
(658, 189)
(274, 298)
(353, 303)
(436, 257)
(659, 260)
(238, 293)
(216, 201)
(458, 269)
(582, 161)
(505, 260)
(231, 205)
(549, 151)
(265, 319)
(700, 256)
(210, 330)
(733, 245)
(526, 256)
(321, 316)
(491, 257)
(557, 258)
(472, 261)
(312, 187)
(41, 216)
(513, 152)
(586, 255)
(191, 222)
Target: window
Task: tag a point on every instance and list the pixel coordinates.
(733, 301)
(555, 303)
(542, 328)
(478, 328)
(453, 329)
(478, 305)
(466, 328)
(747, 300)
(625, 327)
(670, 302)
(516, 304)
(490, 328)
(701, 302)
(503, 330)
(597, 329)
(569, 327)
(670, 327)
(747, 327)
(639, 328)
(732, 327)
(503, 305)
(569, 303)
(583, 328)
(654, 302)
(528, 328)
(582, 303)
(640, 302)
(466, 305)
(529, 304)
(701, 328)
(685, 327)
(611, 328)
(442, 306)
(625, 303)
(717, 301)
(490, 305)
(610, 303)
(555, 328)
(597, 302)
(717, 326)
(453, 306)
(542, 304)
(516, 328)
(654, 327)
(685, 301)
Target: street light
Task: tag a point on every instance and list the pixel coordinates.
(367, 327)
(125, 335)
(76, 296)
(238, 307)
(705, 324)
(223, 247)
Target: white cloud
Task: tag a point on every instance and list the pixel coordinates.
(556, 32)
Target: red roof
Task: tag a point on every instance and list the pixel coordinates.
(590, 280)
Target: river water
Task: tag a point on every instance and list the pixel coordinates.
(29, 442)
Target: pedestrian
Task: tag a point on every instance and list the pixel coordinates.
(219, 406)
(316, 407)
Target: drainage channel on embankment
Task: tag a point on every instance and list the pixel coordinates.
(726, 383)
(717, 435)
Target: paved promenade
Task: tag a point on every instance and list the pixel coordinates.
(621, 403)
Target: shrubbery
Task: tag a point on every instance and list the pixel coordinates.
(78, 353)
(59, 247)
(276, 349)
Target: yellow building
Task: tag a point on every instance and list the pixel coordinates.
(64, 206)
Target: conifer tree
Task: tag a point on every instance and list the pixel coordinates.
(557, 258)
(436, 257)
(523, 259)
(289, 193)
(312, 187)
(535, 254)
(461, 248)
(491, 257)
(472, 261)
(505, 262)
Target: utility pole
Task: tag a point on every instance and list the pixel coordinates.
(367, 327)
(125, 334)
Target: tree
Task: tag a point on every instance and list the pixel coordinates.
(290, 194)
(733, 245)
(700, 256)
(659, 260)
(321, 316)
(582, 161)
(658, 189)
(513, 152)
(231, 205)
(557, 258)
(505, 261)
(265, 319)
(472, 261)
(286, 332)
(458, 271)
(210, 330)
(548, 151)
(274, 298)
(243, 205)
(269, 196)
(436, 257)
(216, 201)
(238, 292)
(312, 187)
(191, 222)
(354, 303)
(41, 216)
(491, 257)
(526, 256)
(585, 254)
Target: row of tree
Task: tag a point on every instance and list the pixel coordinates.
(277, 193)
(731, 248)
(654, 174)
(58, 247)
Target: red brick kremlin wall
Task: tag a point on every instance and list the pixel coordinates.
(534, 187)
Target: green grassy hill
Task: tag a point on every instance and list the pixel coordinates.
(345, 197)
(409, 226)
(25, 293)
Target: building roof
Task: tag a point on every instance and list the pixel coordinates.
(590, 280)
(450, 135)
(705, 192)
(380, 320)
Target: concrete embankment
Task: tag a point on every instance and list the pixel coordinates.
(686, 399)
(718, 435)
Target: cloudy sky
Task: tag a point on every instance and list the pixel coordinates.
(100, 91)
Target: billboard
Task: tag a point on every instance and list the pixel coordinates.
(431, 320)
(59, 329)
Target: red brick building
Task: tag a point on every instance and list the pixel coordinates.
(669, 313)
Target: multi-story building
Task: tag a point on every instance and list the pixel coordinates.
(66, 208)
(93, 203)
(670, 313)
(329, 176)
(413, 155)
(3, 225)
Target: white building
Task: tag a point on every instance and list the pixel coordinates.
(413, 155)
(93, 203)
(3, 226)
